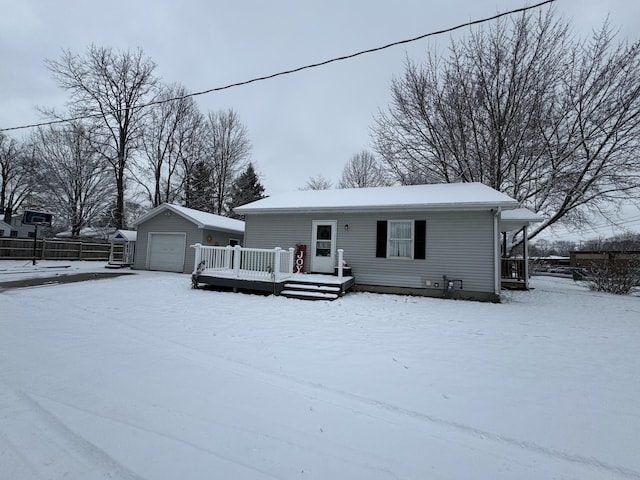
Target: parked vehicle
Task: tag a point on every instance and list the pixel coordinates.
(578, 273)
(566, 270)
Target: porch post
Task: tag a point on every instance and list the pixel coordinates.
(198, 248)
(236, 260)
(276, 266)
(291, 259)
(340, 262)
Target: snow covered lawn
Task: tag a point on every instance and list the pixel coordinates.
(142, 377)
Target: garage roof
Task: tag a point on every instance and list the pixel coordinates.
(200, 218)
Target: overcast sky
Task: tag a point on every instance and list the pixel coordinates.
(305, 124)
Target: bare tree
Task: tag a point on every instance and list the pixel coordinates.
(624, 242)
(318, 183)
(526, 109)
(363, 170)
(73, 180)
(228, 148)
(169, 129)
(110, 87)
(16, 174)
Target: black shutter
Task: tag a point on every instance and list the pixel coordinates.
(420, 237)
(381, 239)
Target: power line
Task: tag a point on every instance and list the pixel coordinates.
(296, 70)
(597, 228)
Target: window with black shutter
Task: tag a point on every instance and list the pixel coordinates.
(401, 239)
(381, 239)
(420, 243)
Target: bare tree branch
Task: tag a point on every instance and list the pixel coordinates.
(526, 109)
(112, 85)
(363, 170)
(72, 179)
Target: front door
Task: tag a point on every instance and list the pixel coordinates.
(323, 247)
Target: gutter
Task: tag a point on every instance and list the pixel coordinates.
(444, 207)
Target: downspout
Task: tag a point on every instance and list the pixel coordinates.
(525, 255)
(496, 252)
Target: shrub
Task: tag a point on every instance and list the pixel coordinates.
(617, 273)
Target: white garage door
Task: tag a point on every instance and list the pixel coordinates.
(166, 251)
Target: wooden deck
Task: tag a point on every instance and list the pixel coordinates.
(297, 285)
(266, 270)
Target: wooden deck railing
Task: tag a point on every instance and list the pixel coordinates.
(254, 263)
(273, 264)
(513, 269)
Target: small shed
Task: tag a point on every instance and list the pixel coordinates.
(165, 235)
(123, 249)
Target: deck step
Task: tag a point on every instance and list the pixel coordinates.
(307, 290)
(307, 295)
(311, 287)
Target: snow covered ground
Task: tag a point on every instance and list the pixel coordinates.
(141, 377)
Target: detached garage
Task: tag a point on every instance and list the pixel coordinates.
(166, 233)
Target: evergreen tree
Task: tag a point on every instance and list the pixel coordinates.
(245, 189)
(201, 188)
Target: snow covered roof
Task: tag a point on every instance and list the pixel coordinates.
(517, 218)
(200, 218)
(521, 214)
(127, 235)
(89, 232)
(449, 196)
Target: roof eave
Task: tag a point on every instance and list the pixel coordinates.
(221, 229)
(157, 211)
(475, 206)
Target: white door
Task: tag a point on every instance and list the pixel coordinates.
(166, 251)
(323, 246)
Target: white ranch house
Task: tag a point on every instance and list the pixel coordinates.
(434, 240)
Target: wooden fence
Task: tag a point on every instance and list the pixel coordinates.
(22, 249)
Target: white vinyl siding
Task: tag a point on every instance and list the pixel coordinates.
(460, 245)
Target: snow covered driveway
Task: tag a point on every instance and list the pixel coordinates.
(140, 377)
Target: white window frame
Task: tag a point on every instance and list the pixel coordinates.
(411, 240)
